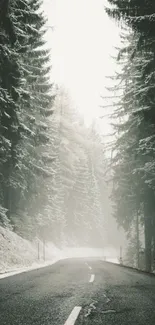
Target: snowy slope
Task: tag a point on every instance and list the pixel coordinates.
(17, 253)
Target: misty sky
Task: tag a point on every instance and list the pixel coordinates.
(82, 42)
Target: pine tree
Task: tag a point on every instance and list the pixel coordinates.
(72, 199)
(39, 104)
(27, 99)
(10, 83)
(138, 103)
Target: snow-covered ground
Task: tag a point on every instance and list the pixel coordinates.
(18, 255)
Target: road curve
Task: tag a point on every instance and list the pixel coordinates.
(78, 291)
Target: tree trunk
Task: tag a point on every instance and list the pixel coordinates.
(153, 253)
(6, 188)
(137, 239)
(148, 240)
(4, 7)
(6, 194)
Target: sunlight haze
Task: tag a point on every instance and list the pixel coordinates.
(82, 44)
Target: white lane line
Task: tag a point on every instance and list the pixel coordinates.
(92, 278)
(73, 316)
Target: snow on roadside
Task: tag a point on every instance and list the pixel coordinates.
(20, 255)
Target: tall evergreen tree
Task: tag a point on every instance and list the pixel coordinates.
(26, 103)
(135, 144)
(10, 82)
(37, 107)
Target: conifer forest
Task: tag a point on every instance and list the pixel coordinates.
(59, 179)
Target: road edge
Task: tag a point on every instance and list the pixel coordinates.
(130, 268)
(28, 269)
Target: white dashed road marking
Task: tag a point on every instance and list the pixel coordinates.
(92, 278)
(92, 275)
(73, 316)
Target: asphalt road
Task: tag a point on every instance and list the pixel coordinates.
(80, 292)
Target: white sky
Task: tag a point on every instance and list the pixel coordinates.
(82, 42)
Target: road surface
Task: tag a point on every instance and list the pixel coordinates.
(78, 291)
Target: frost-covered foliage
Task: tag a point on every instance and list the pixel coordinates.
(73, 208)
(134, 161)
(26, 102)
(51, 173)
